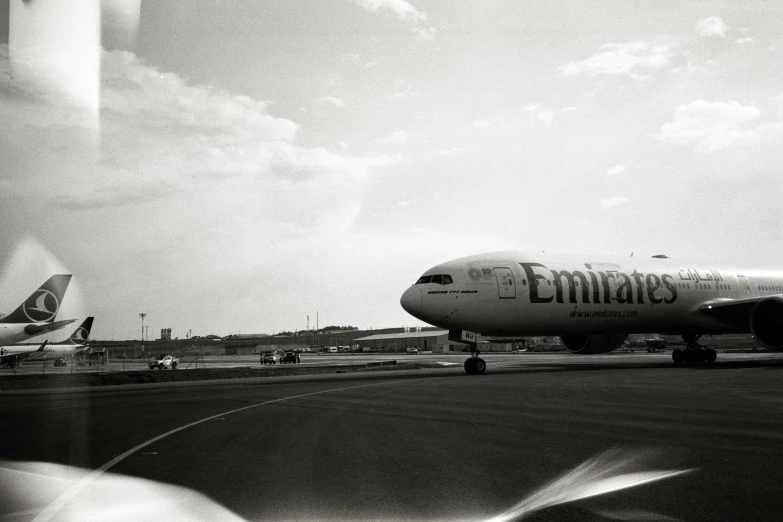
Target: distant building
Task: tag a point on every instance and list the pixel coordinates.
(165, 334)
(436, 341)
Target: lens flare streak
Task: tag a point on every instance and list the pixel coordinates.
(606, 473)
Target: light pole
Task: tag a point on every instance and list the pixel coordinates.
(142, 315)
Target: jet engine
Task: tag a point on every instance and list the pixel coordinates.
(766, 322)
(592, 344)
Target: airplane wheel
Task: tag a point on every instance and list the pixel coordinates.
(470, 366)
(711, 355)
(677, 357)
(480, 366)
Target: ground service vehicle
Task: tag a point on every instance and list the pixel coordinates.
(290, 357)
(269, 358)
(163, 362)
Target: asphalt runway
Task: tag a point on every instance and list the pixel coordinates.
(698, 443)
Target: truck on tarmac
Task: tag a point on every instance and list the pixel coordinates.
(290, 357)
(164, 362)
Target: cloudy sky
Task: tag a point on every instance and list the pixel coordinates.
(258, 161)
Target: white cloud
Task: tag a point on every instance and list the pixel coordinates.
(427, 33)
(741, 41)
(614, 201)
(163, 140)
(331, 100)
(543, 114)
(481, 124)
(401, 95)
(712, 26)
(546, 117)
(395, 137)
(617, 169)
(403, 91)
(372, 63)
(449, 152)
(635, 59)
(711, 126)
(691, 69)
(404, 203)
(403, 9)
(134, 89)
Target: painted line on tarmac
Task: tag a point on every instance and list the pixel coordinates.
(52, 509)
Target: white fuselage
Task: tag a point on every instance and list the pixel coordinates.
(520, 294)
(51, 351)
(12, 333)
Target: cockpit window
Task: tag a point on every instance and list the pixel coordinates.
(438, 279)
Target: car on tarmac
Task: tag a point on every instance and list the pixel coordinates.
(163, 362)
(290, 357)
(269, 358)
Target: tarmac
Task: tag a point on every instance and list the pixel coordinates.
(553, 438)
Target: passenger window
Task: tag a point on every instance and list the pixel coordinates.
(447, 279)
(424, 280)
(437, 279)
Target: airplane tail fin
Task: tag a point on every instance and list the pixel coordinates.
(43, 304)
(82, 333)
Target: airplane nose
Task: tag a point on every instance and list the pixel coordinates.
(411, 301)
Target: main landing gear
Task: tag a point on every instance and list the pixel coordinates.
(475, 365)
(694, 352)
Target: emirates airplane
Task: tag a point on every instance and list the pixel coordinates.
(593, 302)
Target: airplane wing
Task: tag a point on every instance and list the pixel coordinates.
(38, 328)
(735, 312)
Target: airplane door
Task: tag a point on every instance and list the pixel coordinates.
(744, 286)
(507, 288)
(614, 285)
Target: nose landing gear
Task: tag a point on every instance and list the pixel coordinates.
(475, 365)
(694, 352)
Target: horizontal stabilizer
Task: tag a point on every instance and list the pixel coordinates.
(37, 329)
